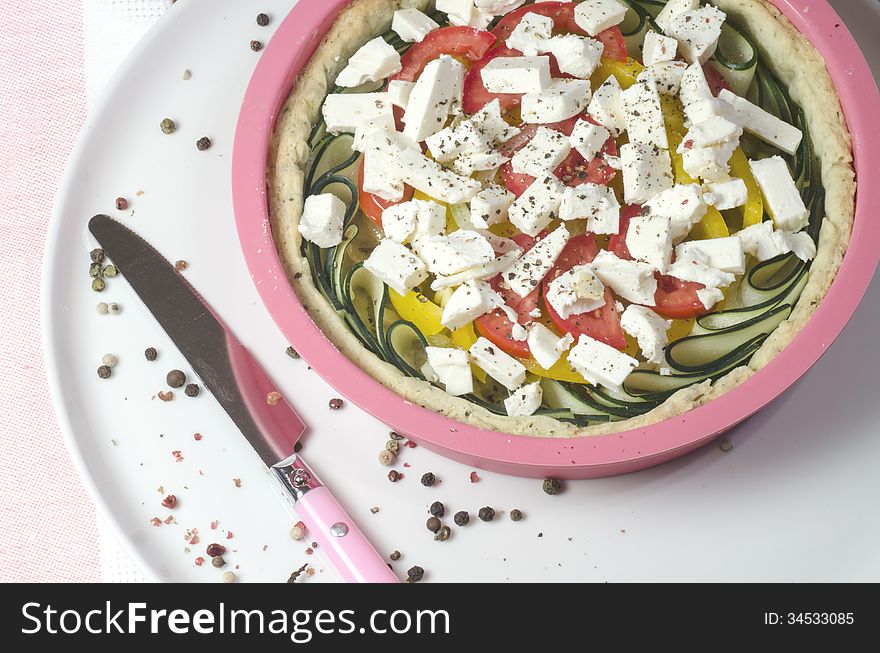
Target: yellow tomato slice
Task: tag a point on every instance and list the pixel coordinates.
(625, 72)
(753, 211)
(561, 371)
(711, 226)
(418, 309)
(680, 329)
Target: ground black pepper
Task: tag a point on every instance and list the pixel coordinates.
(461, 518)
(486, 514)
(151, 354)
(428, 479)
(437, 509)
(192, 390)
(175, 379)
(414, 574)
(552, 486)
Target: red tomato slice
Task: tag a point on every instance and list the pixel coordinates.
(495, 326)
(573, 171)
(373, 205)
(456, 41)
(562, 14)
(617, 243)
(602, 324)
(715, 79)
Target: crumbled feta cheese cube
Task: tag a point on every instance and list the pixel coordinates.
(498, 7)
(697, 32)
(395, 265)
(683, 204)
(724, 195)
(344, 112)
(373, 62)
(546, 346)
(537, 206)
(399, 221)
(517, 74)
(588, 138)
(712, 131)
(606, 106)
(470, 162)
(563, 99)
(709, 163)
(436, 93)
(784, 202)
(710, 297)
(760, 123)
(665, 76)
(543, 154)
(453, 369)
(763, 243)
(693, 86)
(530, 269)
(672, 9)
(647, 170)
(363, 132)
(469, 301)
(412, 25)
(491, 125)
(433, 180)
(576, 55)
(695, 268)
(456, 252)
(632, 280)
(649, 330)
(649, 239)
(657, 48)
(801, 243)
(459, 12)
(601, 364)
(524, 401)
(531, 35)
(430, 221)
(725, 254)
(576, 291)
(644, 115)
(490, 206)
(322, 219)
(597, 203)
(703, 109)
(594, 16)
(478, 273)
(502, 367)
(399, 92)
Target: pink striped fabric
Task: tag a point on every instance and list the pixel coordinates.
(47, 530)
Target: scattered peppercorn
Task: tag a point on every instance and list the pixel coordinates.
(229, 577)
(551, 486)
(262, 20)
(218, 561)
(104, 372)
(437, 509)
(175, 379)
(170, 501)
(121, 204)
(414, 574)
(168, 126)
(256, 46)
(726, 445)
(292, 352)
(192, 390)
(297, 533)
(395, 555)
(181, 265)
(335, 403)
(395, 436)
(114, 308)
(166, 396)
(273, 398)
(461, 518)
(297, 573)
(187, 75)
(151, 354)
(102, 308)
(486, 514)
(97, 255)
(203, 143)
(215, 549)
(110, 360)
(95, 270)
(516, 515)
(433, 524)
(98, 285)
(393, 446)
(393, 476)
(428, 479)
(443, 534)
(109, 271)
(386, 457)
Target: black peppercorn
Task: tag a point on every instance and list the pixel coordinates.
(395, 555)
(262, 20)
(516, 515)
(393, 476)
(461, 518)
(428, 479)
(203, 143)
(433, 524)
(104, 372)
(414, 574)
(175, 379)
(256, 46)
(437, 509)
(218, 561)
(551, 486)
(486, 514)
(151, 354)
(192, 390)
(97, 255)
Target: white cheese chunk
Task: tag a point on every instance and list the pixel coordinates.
(784, 202)
(531, 35)
(703, 109)
(546, 346)
(498, 7)
(433, 98)
(471, 162)
(453, 369)
(693, 86)
(632, 280)
(344, 112)
(698, 271)
(456, 252)
(459, 12)
(490, 206)
(601, 364)
(725, 254)
(606, 106)
(801, 243)
(430, 221)
(411, 25)
(763, 243)
(399, 92)
(373, 62)
(594, 16)
(760, 123)
(588, 138)
(672, 9)
(644, 115)
(399, 221)
(697, 32)
(395, 265)
(710, 297)
(524, 401)
(665, 76)
(490, 124)
(710, 163)
(479, 273)
(502, 367)
(724, 195)
(596, 203)
(683, 204)
(322, 219)
(433, 180)
(576, 291)
(543, 154)
(469, 301)
(576, 55)
(647, 170)
(530, 269)
(560, 101)
(658, 48)
(649, 239)
(649, 330)
(537, 206)
(712, 131)
(363, 132)
(517, 74)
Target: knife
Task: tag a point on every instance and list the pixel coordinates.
(243, 389)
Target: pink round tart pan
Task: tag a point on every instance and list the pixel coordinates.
(288, 52)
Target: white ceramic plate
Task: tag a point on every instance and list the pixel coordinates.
(795, 500)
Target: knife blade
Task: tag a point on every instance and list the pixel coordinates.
(235, 378)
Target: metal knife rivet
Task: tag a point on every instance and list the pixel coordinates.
(339, 529)
(300, 478)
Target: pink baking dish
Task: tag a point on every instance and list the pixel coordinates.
(287, 53)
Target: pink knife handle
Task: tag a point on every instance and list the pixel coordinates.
(341, 539)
